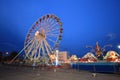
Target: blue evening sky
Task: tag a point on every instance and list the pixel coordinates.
(84, 22)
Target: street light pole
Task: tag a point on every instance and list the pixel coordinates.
(56, 60)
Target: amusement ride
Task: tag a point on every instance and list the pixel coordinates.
(98, 50)
(43, 39)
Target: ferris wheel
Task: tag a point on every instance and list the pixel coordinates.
(43, 37)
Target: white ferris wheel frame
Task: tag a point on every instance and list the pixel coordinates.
(44, 32)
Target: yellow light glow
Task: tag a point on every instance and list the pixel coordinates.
(37, 32)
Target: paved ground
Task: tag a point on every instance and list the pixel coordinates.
(28, 73)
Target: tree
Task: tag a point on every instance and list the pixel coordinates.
(13, 54)
(1, 56)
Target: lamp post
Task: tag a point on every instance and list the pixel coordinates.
(6, 53)
(118, 48)
(56, 59)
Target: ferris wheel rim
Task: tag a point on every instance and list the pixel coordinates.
(57, 39)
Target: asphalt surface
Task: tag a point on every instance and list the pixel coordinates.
(41, 73)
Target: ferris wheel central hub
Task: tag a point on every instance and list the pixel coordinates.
(40, 35)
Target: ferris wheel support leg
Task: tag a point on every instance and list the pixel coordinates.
(18, 54)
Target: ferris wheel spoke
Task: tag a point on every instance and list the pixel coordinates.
(34, 52)
(44, 25)
(51, 26)
(48, 20)
(37, 53)
(45, 21)
(40, 28)
(53, 29)
(32, 40)
(28, 43)
(56, 30)
(51, 20)
(47, 29)
(51, 40)
(48, 46)
(54, 24)
(48, 26)
(29, 48)
(52, 35)
(34, 49)
(43, 51)
(39, 50)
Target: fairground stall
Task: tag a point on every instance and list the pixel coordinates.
(109, 64)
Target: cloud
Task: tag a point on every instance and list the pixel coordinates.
(111, 36)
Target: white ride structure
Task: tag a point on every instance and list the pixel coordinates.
(43, 38)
